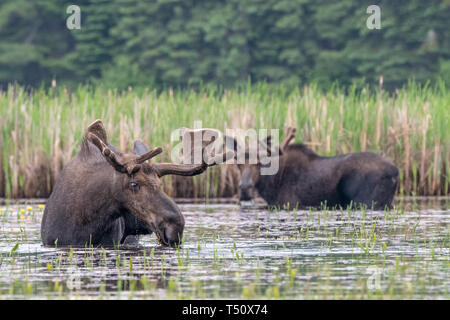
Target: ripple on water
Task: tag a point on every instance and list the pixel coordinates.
(251, 252)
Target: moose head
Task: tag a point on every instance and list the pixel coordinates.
(138, 185)
(105, 201)
(251, 170)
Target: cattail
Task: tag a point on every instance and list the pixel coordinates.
(364, 131)
(436, 167)
(407, 148)
(424, 151)
(379, 116)
(122, 135)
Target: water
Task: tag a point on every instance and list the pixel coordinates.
(231, 252)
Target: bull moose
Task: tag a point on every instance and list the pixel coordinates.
(102, 196)
(306, 179)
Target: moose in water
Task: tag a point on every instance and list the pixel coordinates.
(102, 196)
(306, 179)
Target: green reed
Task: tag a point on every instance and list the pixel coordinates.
(40, 131)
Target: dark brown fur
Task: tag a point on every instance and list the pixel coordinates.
(103, 196)
(89, 203)
(305, 179)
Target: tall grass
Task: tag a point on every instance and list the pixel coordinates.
(42, 130)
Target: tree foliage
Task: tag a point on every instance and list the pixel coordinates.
(189, 42)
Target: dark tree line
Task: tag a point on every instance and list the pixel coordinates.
(188, 42)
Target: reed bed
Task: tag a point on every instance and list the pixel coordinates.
(41, 130)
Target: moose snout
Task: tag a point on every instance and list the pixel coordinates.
(246, 191)
(169, 230)
(169, 223)
(173, 234)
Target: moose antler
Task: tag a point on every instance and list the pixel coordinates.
(96, 133)
(290, 134)
(109, 155)
(194, 169)
(163, 169)
(148, 155)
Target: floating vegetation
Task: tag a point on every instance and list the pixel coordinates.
(230, 253)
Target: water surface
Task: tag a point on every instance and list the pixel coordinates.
(231, 252)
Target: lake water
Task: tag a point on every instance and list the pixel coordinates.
(233, 252)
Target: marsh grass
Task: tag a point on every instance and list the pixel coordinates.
(41, 130)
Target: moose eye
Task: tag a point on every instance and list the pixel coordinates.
(134, 186)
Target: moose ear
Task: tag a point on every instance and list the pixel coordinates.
(139, 148)
(231, 144)
(271, 150)
(289, 136)
(268, 141)
(114, 149)
(98, 129)
(264, 146)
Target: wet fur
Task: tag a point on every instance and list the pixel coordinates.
(74, 215)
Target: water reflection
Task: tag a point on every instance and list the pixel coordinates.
(250, 252)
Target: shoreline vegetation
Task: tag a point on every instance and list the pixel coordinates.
(41, 130)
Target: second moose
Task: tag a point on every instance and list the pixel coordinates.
(306, 179)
